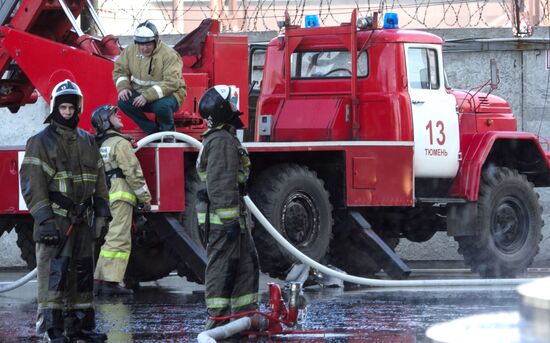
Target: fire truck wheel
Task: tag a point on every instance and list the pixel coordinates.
(26, 244)
(148, 263)
(295, 201)
(510, 225)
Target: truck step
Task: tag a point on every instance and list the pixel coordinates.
(389, 261)
(442, 200)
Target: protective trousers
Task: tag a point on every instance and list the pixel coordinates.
(163, 108)
(65, 283)
(231, 274)
(115, 252)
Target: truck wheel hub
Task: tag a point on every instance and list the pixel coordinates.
(510, 225)
(300, 218)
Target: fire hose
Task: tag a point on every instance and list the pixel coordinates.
(297, 253)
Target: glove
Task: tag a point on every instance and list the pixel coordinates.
(145, 207)
(101, 228)
(48, 233)
(232, 230)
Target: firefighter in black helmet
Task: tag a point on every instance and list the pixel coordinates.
(223, 165)
(63, 184)
(127, 189)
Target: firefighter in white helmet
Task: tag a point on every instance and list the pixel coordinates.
(63, 183)
(148, 78)
(232, 271)
(127, 189)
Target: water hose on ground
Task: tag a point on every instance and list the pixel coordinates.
(225, 331)
(18, 283)
(298, 254)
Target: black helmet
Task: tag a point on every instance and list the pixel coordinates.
(100, 118)
(146, 32)
(218, 107)
(65, 92)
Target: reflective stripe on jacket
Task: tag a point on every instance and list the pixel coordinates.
(223, 164)
(117, 152)
(154, 77)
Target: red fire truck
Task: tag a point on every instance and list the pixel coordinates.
(357, 141)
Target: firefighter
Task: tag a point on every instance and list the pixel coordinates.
(63, 184)
(147, 76)
(127, 189)
(223, 165)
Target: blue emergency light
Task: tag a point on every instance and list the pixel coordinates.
(312, 20)
(391, 21)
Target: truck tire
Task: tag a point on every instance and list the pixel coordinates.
(510, 224)
(295, 201)
(148, 263)
(26, 244)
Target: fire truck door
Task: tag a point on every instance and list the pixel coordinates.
(435, 121)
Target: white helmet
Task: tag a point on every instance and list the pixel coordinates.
(65, 91)
(146, 32)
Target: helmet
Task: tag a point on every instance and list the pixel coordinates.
(146, 32)
(65, 91)
(100, 118)
(217, 107)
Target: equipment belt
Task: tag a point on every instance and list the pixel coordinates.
(116, 172)
(112, 174)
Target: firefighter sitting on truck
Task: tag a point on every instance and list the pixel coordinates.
(147, 76)
(223, 164)
(127, 189)
(63, 184)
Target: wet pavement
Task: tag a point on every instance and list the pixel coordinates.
(173, 310)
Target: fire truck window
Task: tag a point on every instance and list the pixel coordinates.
(326, 64)
(434, 74)
(257, 69)
(423, 68)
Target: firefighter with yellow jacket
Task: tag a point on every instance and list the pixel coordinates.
(223, 164)
(147, 76)
(63, 183)
(127, 189)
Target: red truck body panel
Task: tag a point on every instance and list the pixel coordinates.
(9, 201)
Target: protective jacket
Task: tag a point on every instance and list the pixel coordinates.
(123, 170)
(127, 188)
(232, 271)
(154, 77)
(62, 177)
(49, 167)
(224, 165)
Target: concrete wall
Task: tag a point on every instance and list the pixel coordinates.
(524, 83)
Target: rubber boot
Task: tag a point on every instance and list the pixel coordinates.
(55, 336)
(113, 289)
(92, 336)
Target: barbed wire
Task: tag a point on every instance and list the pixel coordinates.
(180, 16)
